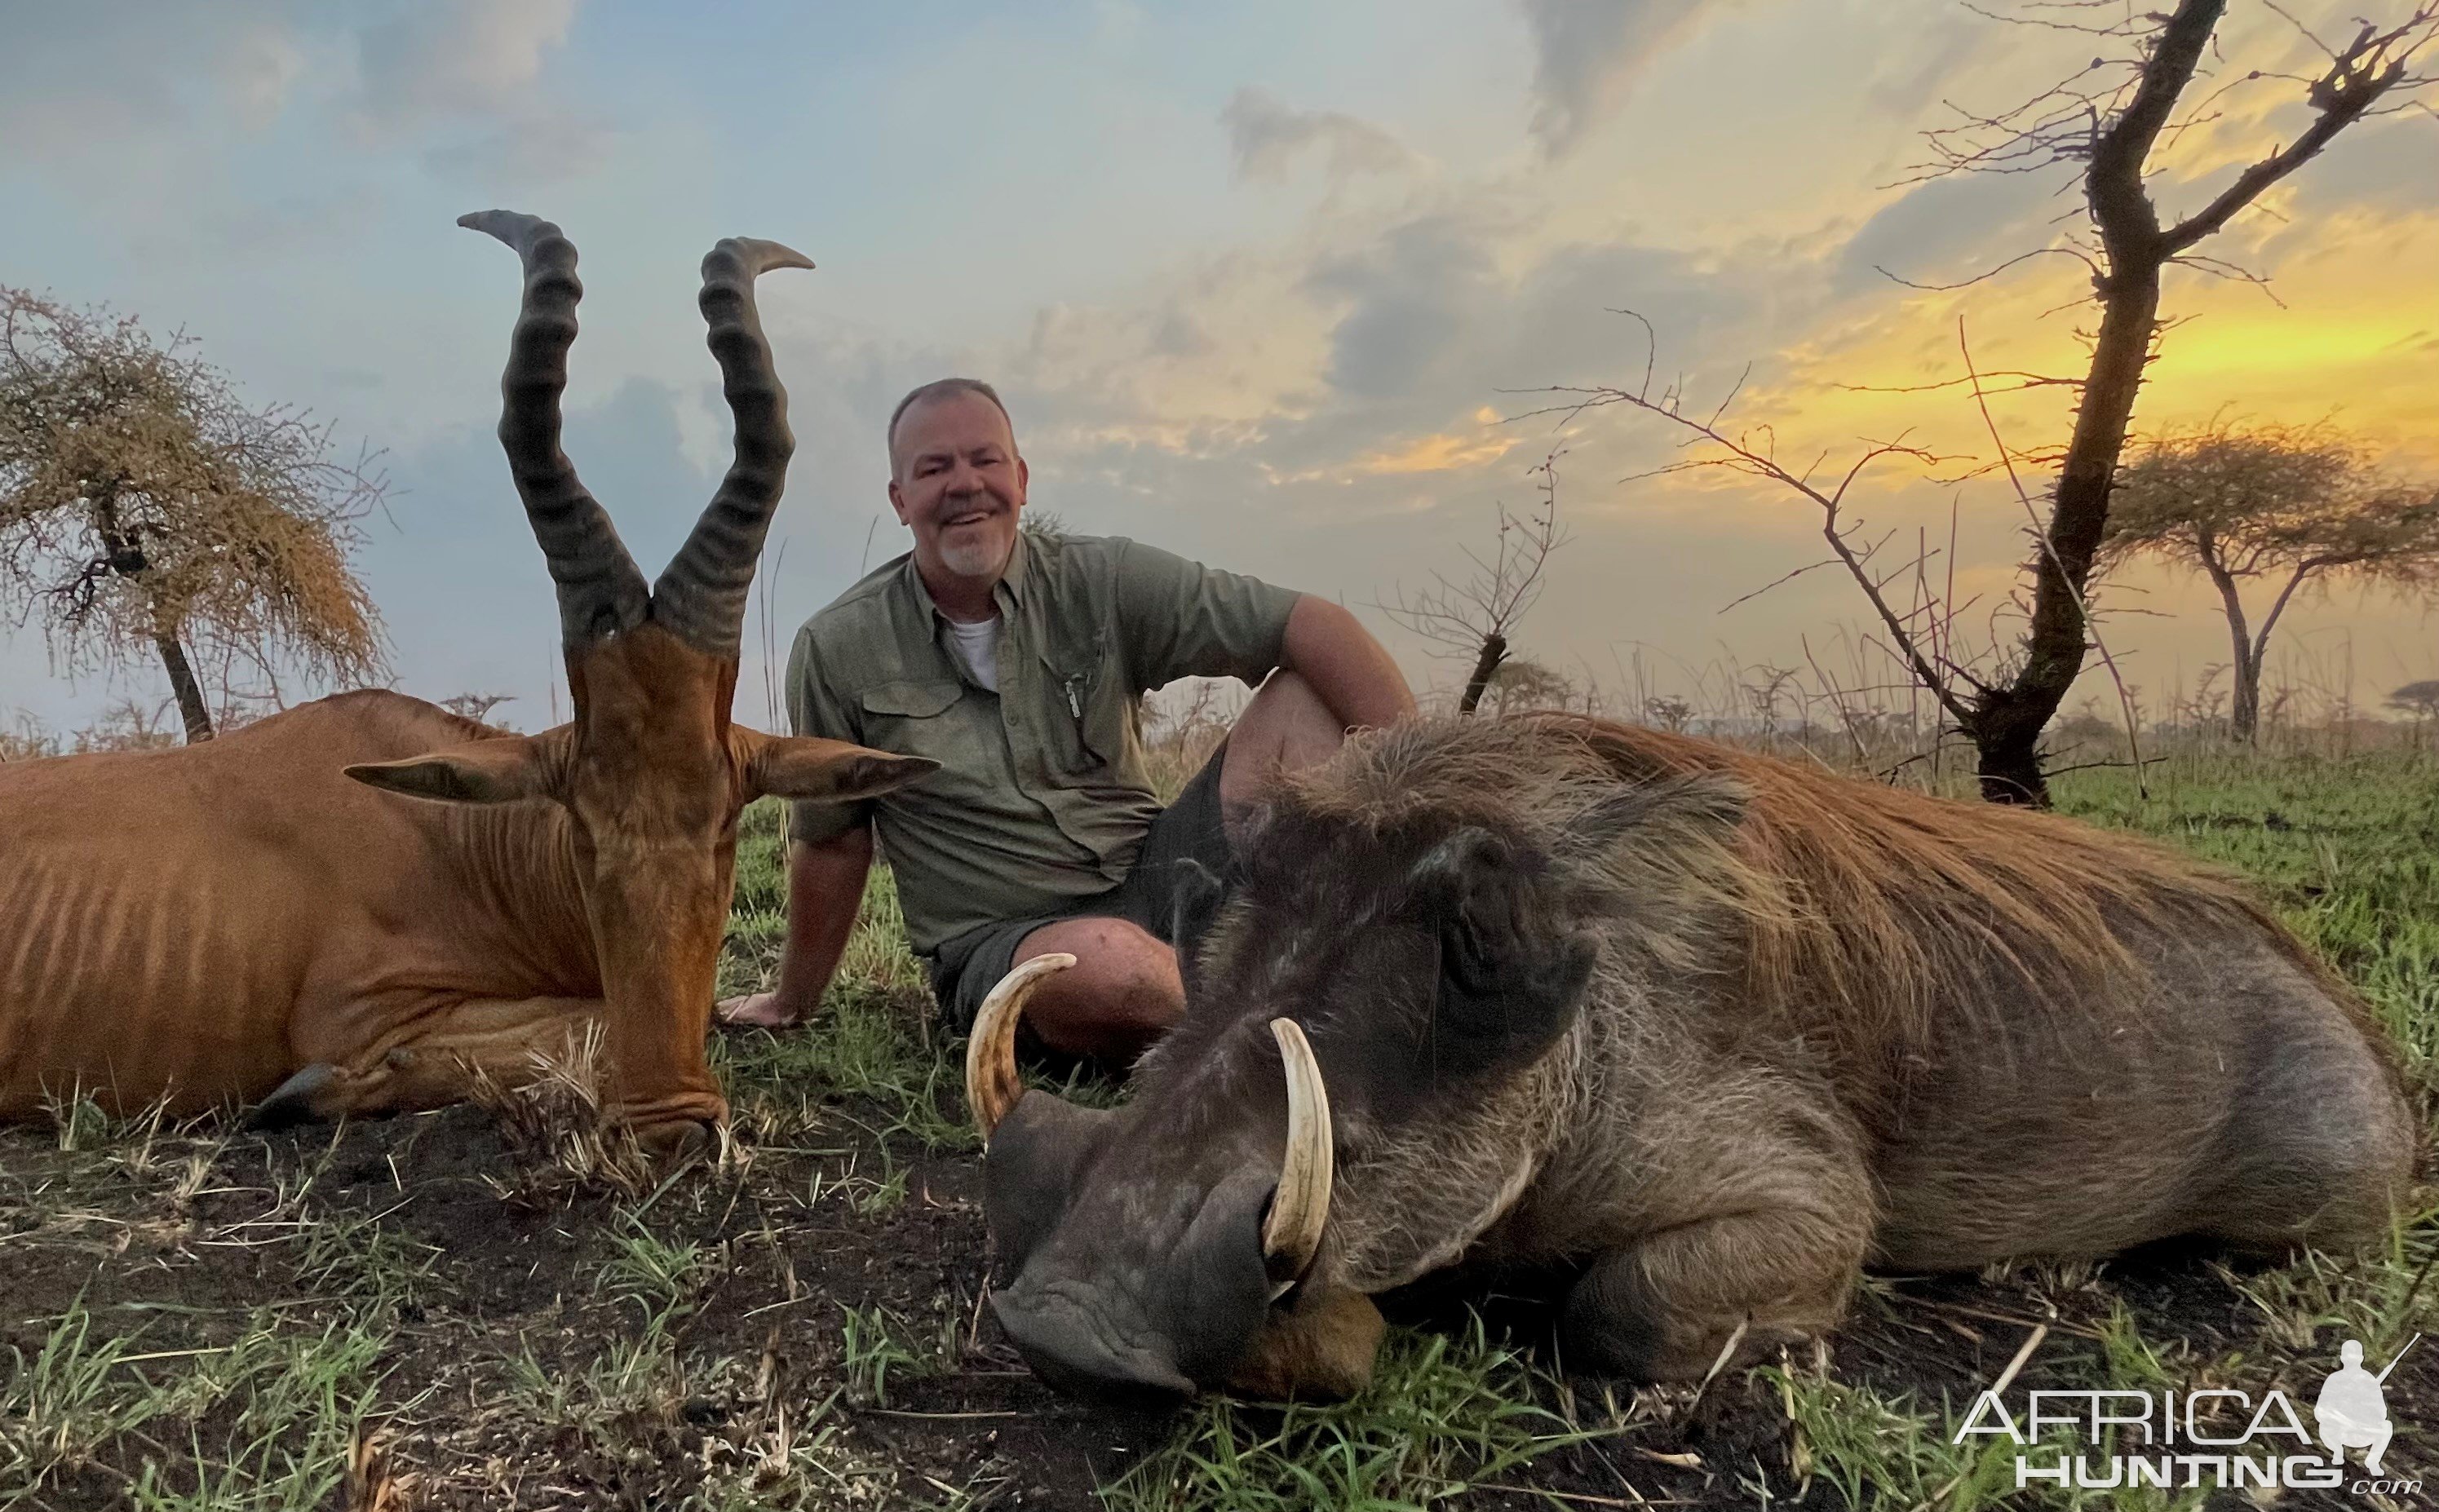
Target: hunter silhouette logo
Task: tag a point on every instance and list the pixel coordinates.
(2351, 1410)
(2210, 1438)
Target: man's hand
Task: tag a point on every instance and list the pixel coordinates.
(825, 888)
(756, 1010)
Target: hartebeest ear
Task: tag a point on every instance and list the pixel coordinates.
(819, 771)
(502, 770)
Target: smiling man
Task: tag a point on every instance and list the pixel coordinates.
(1017, 660)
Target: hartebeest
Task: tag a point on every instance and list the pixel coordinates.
(231, 920)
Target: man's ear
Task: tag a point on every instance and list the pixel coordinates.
(804, 768)
(500, 771)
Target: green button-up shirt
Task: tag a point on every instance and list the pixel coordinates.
(1042, 799)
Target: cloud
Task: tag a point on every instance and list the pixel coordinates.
(1408, 297)
(1588, 53)
(539, 148)
(77, 81)
(467, 76)
(1441, 452)
(1268, 137)
(2387, 163)
(456, 56)
(1953, 228)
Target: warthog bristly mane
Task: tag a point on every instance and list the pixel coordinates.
(1864, 915)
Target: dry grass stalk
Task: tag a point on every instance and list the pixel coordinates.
(556, 1131)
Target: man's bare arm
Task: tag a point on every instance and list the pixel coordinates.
(1351, 672)
(825, 890)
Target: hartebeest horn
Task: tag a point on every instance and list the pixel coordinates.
(700, 595)
(1300, 1207)
(993, 1085)
(600, 591)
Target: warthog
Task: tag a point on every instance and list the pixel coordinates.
(1711, 1031)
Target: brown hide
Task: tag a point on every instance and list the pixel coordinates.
(199, 923)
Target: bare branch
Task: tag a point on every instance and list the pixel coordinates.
(1478, 618)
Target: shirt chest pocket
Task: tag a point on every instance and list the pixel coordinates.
(916, 718)
(1089, 714)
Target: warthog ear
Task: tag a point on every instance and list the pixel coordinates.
(1702, 808)
(1196, 892)
(501, 771)
(811, 770)
(1510, 974)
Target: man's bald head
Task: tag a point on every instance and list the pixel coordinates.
(942, 388)
(957, 481)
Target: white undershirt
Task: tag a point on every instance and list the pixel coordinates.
(979, 644)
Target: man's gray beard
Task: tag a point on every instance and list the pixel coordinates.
(974, 559)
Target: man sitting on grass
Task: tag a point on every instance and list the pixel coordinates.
(1016, 660)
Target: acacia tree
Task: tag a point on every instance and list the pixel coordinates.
(1522, 682)
(145, 509)
(2104, 123)
(2418, 700)
(2295, 506)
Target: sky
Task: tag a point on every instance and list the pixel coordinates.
(1272, 285)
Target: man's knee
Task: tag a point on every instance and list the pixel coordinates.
(1286, 728)
(1123, 992)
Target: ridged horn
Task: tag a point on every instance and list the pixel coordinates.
(993, 1085)
(601, 592)
(700, 595)
(1300, 1207)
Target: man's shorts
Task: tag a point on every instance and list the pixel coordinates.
(967, 967)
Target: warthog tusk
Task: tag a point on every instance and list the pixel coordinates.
(993, 1085)
(1300, 1208)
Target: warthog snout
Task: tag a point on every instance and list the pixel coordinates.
(1125, 1287)
(1147, 1264)
(1074, 1345)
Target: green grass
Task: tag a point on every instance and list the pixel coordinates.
(2346, 847)
(150, 1403)
(1876, 1451)
(873, 1042)
(267, 1418)
(875, 1345)
(1441, 1415)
